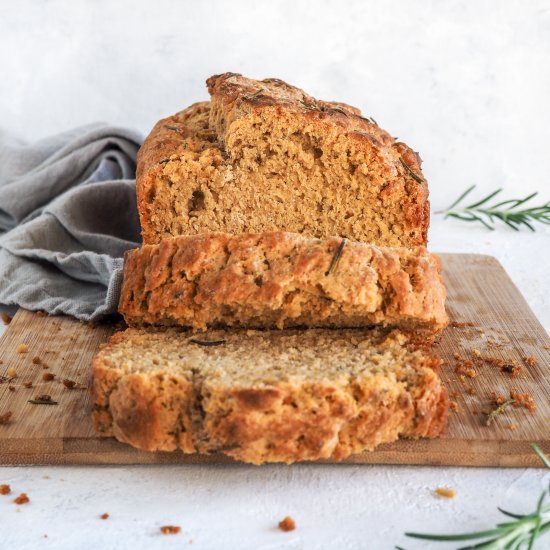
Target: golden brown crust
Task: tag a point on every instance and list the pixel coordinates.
(135, 408)
(208, 149)
(342, 392)
(281, 279)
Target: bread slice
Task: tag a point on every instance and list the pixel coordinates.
(266, 156)
(282, 280)
(271, 396)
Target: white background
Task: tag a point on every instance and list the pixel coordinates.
(465, 83)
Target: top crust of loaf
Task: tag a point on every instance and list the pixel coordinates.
(235, 96)
(215, 138)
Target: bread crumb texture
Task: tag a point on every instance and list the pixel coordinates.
(266, 396)
(265, 156)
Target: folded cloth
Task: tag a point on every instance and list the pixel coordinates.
(67, 215)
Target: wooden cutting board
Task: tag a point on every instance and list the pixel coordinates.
(489, 318)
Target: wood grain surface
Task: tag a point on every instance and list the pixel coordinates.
(490, 320)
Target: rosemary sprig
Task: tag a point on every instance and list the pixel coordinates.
(174, 129)
(498, 410)
(513, 535)
(507, 211)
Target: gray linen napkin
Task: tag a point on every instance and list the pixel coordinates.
(67, 215)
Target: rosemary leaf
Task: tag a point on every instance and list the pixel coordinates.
(43, 400)
(541, 455)
(467, 192)
(173, 128)
(411, 172)
(339, 110)
(256, 93)
(207, 343)
(336, 258)
(498, 410)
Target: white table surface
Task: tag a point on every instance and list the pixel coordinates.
(465, 83)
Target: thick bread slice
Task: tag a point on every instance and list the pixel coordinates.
(274, 396)
(265, 156)
(282, 280)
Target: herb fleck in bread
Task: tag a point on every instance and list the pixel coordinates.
(266, 396)
(265, 156)
(281, 279)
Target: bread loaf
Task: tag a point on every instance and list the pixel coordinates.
(265, 156)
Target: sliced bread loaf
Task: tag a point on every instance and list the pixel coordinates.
(265, 156)
(281, 280)
(272, 396)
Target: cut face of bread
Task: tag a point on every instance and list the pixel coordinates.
(266, 396)
(282, 280)
(265, 156)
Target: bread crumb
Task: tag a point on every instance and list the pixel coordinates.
(36, 360)
(466, 367)
(40, 313)
(6, 319)
(546, 346)
(530, 361)
(22, 499)
(69, 384)
(48, 376)
(287, 524)
(453, 405)
(512, 426)
(22, 348)
(11, 372)
(5, 489)
(524, 400)
(476, 352)
(497, 398)
(170, 529)
(27, 384)
(46, 477)
(5, 418)
(104, 516)
(471, 391)
(446, 493)
(513, 370)
(45, 366)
